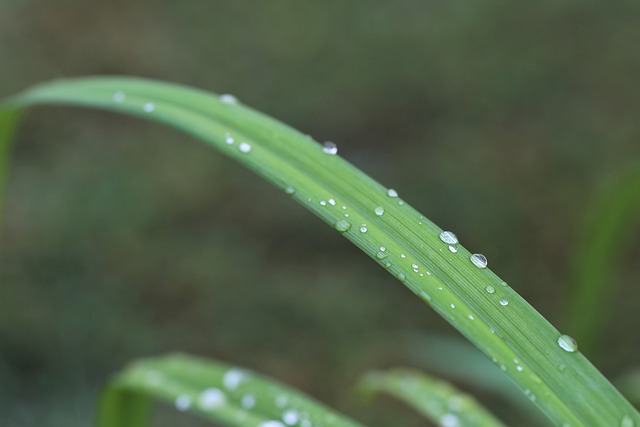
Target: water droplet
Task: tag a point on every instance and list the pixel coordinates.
(305, 423)
(449, 237)
(453, 306)
(401, 276)
(414, 266)
(344, 208)
(626, 421)
(271, 423)
(379, 210)
(387, 264)
(346, 215)
(330, 148)
(392, 193)
(343, 226)
(567, 343)
(149, 107)
(363, 229)
(471, 317)
(290, 417)
(323, 203)
(425, 296)
(244, 147)
(290, 190)
(332, 202)
(479, 260)
(211, 398)
(453, 249)
(504, 301)
(119, 96)
(183, 402)
(519, 368)
(228, 99)
(381, 255)
(403, 256)
(383, 249)
(449, 420)
(490, 289)
(228, 139)
(248, 401)
(232, 379)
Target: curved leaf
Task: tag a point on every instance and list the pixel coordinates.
(474, 300)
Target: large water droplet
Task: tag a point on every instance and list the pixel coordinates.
(567, 343)
(343, 226)
(449, 238)
(228, 99)
(379, 210)
(211, 398)
(232, 379)
(363, 229)
(290, 417)
(119, 96)
(449, 420)
(332, 202)
(479, 260)
(626, 421)
(392, 193)
(183, 402)
(149, 107)
(381, 255)
(330, 148)
(244, 147)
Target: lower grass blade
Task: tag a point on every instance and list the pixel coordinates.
(213, 390)
(437, 400)
(536, 357)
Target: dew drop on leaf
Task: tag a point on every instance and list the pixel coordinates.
(504, 301)
(248, 401)
(479, 260)
(183, 402)
(567, 343)
(449, 420)
(290, 190)
(343, 225)
(271, 423)
(379, 210)
(392, 193)
(330, 148)
(627, 422)
(364, 229)
(290, 417)
(149, 107)
(244, 147)
(211, 398)
(449, 237)
(490, 289)
(228, 99)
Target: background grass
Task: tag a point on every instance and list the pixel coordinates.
(498, 121)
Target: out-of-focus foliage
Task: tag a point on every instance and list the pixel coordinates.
(500, 122)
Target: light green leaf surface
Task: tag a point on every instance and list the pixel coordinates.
(565, 385)
(437, 400)
(214, 390)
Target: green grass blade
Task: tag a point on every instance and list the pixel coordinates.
(121, 407)
(214, 390)
(565, 385)
(607, 231)
(437, 400)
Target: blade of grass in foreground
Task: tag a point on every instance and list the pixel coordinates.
(541, 362)
(437, 400)
(214, 390)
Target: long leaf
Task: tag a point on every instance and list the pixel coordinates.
(562, 382)
(214, 390)
(437, 400)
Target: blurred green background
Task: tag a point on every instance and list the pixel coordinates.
(501, 121)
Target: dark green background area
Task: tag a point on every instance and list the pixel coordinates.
(501, 121)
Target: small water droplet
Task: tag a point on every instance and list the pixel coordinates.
(346, 215)
(504, 301)
(228, 99)
(403, 256)
(363, 229)
(490, 289)
(453, 306)
(248, 401)
(290, 417)
(342, 225)
(471, 317)
(519, 368)
(425, 296)
(387, 264)
(567, 343)
(414, 266)
(211, 398)
(119, 96)
(479, 260)
(344, 208)
(330, 148)
(149, 107)
(332, 202)
(392, 193)
(453, 249)
(232, 379)
(383, 249)
(183, 402)
(244, 147)
(449, 237)
(290, 190)
(626, 421)
(323, 203)
(402, 277)
(228, 139)
(379, 210)
(381, 255)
